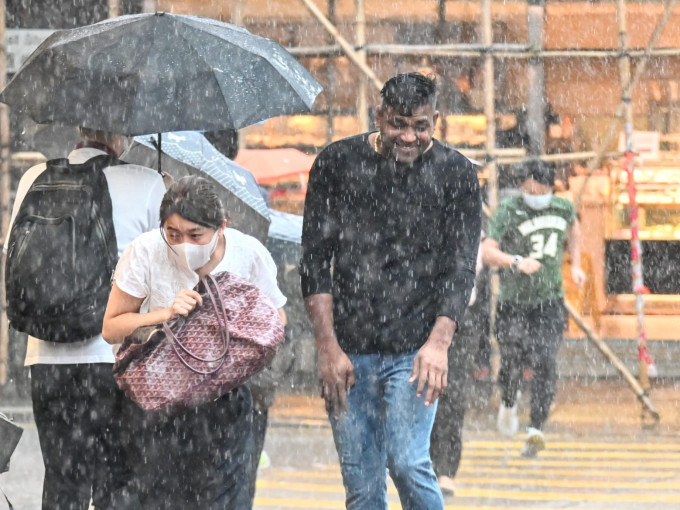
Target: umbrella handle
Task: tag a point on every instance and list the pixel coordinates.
(157, 144)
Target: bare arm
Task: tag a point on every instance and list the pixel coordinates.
(336, 372)
(431, 363)
(284, 317)
(493, 256)
(122, 315)
(574, 237)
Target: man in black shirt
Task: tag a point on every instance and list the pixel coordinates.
(390, 237)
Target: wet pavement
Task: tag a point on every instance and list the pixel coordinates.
(599, 455)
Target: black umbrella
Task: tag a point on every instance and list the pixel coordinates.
(152, 73)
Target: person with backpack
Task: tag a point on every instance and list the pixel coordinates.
(71, 220)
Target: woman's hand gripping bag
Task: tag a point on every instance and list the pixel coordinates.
(191, 360)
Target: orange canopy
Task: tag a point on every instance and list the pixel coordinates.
(272, 165)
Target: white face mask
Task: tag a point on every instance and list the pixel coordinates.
(194, 256)
(537, 202)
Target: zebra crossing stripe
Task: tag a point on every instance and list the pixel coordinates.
(601, 463)
(573, 445)
(478, 492)
(536, 474)
(550, 453)
(492, 476)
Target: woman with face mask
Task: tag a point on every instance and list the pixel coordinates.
(197, 458)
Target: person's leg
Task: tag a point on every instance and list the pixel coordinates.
(359, 440)
(543, 349)
(62, 418)
(510, 332)
(226, 434)
(260, 419)
(111, 473)
(446, 441)
(161, 454)
(408, 424)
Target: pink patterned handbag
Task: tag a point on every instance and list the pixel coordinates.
(194, 359)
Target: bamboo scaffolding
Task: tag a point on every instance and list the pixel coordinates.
(627, 93)
(360, 39)
(148, 5)
(644, 358)
(5, 182)
(518, 51)
(491, 167)
(114, 8)
(332, 74)
(536, 93)
(639, 391)
(347, 48)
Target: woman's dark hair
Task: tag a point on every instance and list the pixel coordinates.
(407, 91)
(195, 199)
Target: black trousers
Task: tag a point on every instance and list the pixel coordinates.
(195, 459)
(260, 420)
(446, 438)
(530, 335)
(77, 410)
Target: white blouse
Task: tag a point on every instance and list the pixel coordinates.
(147, 270)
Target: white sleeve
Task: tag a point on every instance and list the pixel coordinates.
(263, 274)
(132, 271)
(154, 206)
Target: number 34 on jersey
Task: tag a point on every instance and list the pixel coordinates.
(543, 244)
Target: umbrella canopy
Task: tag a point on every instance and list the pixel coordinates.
(285, 227)
(161, 72)
(271, 165)
(190, 153)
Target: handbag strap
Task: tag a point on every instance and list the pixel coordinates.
(221, 314)
(9, 503)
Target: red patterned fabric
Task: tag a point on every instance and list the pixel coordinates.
(195, 359)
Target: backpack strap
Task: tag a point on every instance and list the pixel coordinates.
(96, 163)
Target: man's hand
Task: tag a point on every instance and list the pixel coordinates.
(578, 276)
(430, 366)
(336, 377)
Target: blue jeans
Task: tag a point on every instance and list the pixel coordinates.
(386, 426)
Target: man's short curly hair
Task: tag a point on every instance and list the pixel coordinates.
(407, 91)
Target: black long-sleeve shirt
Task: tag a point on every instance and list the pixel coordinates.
(394, 244)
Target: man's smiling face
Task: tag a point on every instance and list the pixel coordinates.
(405, 137)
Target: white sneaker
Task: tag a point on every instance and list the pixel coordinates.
(508, 422)
(264, 461)
(447, 486)
(534, 443)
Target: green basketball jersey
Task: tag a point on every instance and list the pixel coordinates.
(521, 230)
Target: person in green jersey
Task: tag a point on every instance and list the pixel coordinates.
(526, 240)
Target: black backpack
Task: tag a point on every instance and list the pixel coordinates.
(62, 252)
